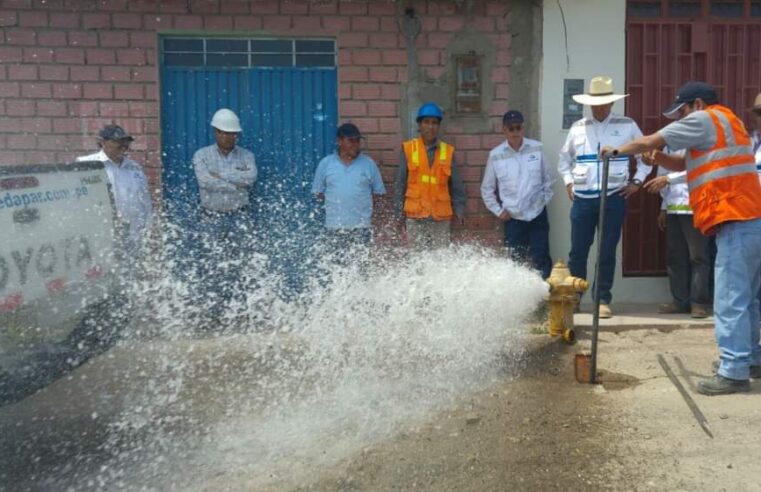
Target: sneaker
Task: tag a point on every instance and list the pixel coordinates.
(719, 385)
(699, 312)
(755, 371)
(605, 311)
(672, 308)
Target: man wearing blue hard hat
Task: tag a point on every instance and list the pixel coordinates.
(428, 190)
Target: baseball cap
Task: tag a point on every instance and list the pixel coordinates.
(512, 116)
(348, 130)
(114, 132)
(688, 93)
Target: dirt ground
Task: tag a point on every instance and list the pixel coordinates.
(545, 431)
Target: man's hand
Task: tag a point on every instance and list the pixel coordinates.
(608, 152)
(629, 190)
(651, 157)
(504, 216)
(657, 184)
(662, 220)
(569, 189)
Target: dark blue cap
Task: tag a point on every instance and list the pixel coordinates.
(688, 93)
(114, 132)
(512, 116)
(348, 130)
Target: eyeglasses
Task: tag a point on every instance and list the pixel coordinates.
(514, 128)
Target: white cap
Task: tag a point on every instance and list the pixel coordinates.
(227, 121)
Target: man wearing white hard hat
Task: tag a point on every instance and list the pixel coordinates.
(581, 169)
(225, 173)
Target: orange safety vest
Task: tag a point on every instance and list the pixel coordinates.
(722, 180)
(428, 186)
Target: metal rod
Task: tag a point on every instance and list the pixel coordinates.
(702, 421)
(596, 289)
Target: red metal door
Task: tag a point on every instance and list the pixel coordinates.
(664, 50)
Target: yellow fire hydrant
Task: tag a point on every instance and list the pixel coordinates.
(564, 292)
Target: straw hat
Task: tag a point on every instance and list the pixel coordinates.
(756, 103)
(600, 93)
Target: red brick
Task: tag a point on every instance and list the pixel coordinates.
(20, 141)
(439, 40)
(383, 74)
(128, 91)
(381, 108)
(261, 7)
(83, 38)
(69, 55)
(496, 9)
(204, 6)
(235, 7)
(152, 92)
(156, 22)
(20, 36)
(353, 40)
(384, 40)
(500, 74)
(51, 38)
(142, 39)
(35, 125)
(127, 21)
(98, 91)
(442, 8)
(22, 72)
(316, 8)
(366, 91)
(51, 108)
(54, 72)
(451, 24)
(311, 24)
(336, 24)
(9, 89)
(83, 108)
(382, 8)
(344, 57)
(134, 57)
(365, 24)
(8, 18)
(12, 158)
(402, 75)
(366, 125)
(395, 57)
(150, 57)
(428, 57)
(344, 91)
(294, 7)
(114, 109)
(174, 6)
(348, 109)
(17, 4)
(11, 55)
(19, 107)
(366, 57)
(218, 22)
(86, 73)
(143, 5)
(429, 24)
(113, 39)
(390, 125)
(390, 92)
(37, 90)
(38, 55)
(352, 74)
(118, 74)
(67, 91)
(145, 74)
(389, 24)
(435, 72)
(142, 109)
(112, 5)
(66, 125)
(352, 8)
(481, 24)
(64, 20)
(276, 23)
(247, 22)
(96, 21)
(466, 142)
(33, 19)
(51, 142)
(383, 141)
(100, 57)
(503, 58)
(188, 22)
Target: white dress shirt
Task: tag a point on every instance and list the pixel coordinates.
(578, 160)
(130, 190)
(237, 173)
(518, 182)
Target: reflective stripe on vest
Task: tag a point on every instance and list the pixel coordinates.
(428, 195)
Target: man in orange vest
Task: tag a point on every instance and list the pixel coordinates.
(428, 190)
(725, 196)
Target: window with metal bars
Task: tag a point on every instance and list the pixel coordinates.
(248, 52)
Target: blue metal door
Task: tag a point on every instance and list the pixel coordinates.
(289, 117)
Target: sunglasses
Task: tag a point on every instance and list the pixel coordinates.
(514, 128)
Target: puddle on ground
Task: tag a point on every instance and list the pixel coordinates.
(613, 381)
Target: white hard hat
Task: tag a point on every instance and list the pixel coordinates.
(226, 120)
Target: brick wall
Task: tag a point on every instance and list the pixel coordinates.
(67, 67)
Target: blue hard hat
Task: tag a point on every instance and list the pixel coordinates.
(429, 110)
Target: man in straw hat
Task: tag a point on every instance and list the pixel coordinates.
(581, 169)
(725, 196)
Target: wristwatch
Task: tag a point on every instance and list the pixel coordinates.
(637, 182)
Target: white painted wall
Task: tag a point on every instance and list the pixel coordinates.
(596, 46)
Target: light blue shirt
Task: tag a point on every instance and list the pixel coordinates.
(348, 190)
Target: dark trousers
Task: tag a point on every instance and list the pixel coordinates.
(584, 216)
(688, 261)
(530, 240)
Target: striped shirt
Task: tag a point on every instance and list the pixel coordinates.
(224, 181)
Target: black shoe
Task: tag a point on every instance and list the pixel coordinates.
(755, 371)
(719, 385)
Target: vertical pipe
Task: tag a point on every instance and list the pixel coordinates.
(600, 235)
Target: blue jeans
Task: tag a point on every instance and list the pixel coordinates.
(584, 216)
(530, 239)
(735, 302)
